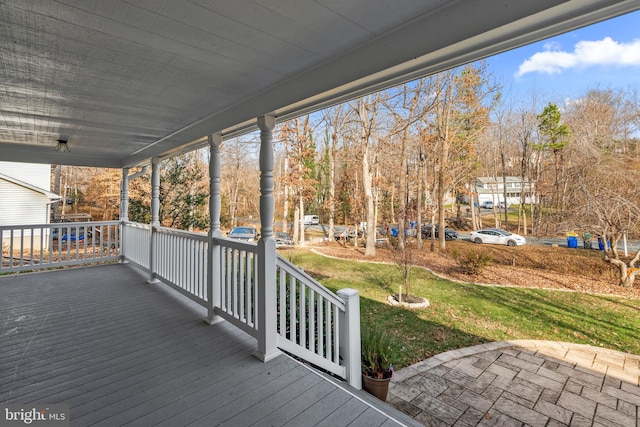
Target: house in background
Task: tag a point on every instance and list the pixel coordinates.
(491, 189)
(25, 198)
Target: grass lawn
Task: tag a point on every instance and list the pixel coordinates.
(463, 315)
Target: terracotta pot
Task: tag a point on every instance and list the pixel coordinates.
(376, 386)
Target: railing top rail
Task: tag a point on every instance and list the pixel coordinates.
(311, 282)
(135, 224)
(236, 244)
(176, 232)
(58, 225)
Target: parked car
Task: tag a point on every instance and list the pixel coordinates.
(249, 234)
(497, 236)
(311, 220)
(283, 240)
(72, 237)
(449, 233)
(487, 204)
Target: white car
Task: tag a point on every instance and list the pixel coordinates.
(497, 236)
(487, 204)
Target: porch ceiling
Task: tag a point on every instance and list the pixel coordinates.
(124, 81)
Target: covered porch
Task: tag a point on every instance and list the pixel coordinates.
(127, 84)
(119, 350)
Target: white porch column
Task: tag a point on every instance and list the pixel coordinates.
(267, 332)
(350, 336)
(155, 213)
(155, 192)
(213, 261)
(124, 195)
(124, 211)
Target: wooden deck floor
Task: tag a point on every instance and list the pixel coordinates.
(120, 351)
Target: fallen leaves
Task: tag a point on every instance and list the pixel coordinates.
(569, 269)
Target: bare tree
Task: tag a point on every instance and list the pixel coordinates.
(461, 116)
(611, 209)
(335, 119)
(366, 110)
(606, 175)
(239, 180)
(297, 136)
(405, 109)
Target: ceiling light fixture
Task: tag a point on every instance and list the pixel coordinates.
(62, 146)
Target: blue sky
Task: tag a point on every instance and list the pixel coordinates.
(604, 55)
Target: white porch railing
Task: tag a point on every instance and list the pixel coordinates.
(136, 244)
(317, 325)
(311, 322)
(181, 261)
(179, 257)
(238, 284)
(41, 246)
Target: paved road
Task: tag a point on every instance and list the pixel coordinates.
(632, 246)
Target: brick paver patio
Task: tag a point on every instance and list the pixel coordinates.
(522, 383)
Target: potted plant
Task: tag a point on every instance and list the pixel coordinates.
(377, 369)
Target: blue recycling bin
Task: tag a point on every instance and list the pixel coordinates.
(394, 232)
(572, 241)
(601, 244)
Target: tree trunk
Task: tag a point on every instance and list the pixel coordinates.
(285, 210)
(504, 191)
(296, 224)
(419, 201)
(441, 195)
(627, 280)
(444, 129)
(301, 200)
(376, 207)
(332, 189)
(626, 272)
(472, 204)
(56, 189)
(367, 183)
(366, 110)
(393, 210)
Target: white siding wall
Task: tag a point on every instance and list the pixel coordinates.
(19, 205)
(38, 175)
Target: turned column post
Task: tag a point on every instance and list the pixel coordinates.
(266, 316)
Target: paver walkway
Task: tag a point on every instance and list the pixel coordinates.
(522, 383)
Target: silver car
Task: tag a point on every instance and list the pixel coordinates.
(497, 237)
(283, 240)
(248, 234)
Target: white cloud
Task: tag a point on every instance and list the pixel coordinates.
(552, 45)
(585, 54)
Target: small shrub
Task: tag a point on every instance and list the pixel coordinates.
(472, 262)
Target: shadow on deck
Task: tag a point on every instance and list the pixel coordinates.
(118, 350)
